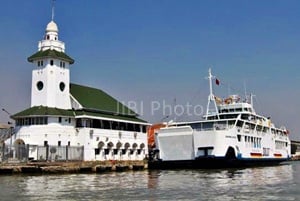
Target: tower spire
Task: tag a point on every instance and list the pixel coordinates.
(53, 7)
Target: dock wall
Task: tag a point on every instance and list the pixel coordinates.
(71, 167)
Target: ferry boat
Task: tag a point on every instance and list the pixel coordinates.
(230, 135)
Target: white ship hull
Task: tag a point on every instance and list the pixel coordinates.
(217, 148)
(194, 144)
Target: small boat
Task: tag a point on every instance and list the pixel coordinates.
(230, 135)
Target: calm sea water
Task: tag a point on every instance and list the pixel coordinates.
(261, 183)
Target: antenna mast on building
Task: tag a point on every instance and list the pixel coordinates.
(53, 7)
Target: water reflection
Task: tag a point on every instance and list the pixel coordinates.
(265, 183)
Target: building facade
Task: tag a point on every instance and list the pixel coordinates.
(72, 115)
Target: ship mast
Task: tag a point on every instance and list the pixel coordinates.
(211, 97)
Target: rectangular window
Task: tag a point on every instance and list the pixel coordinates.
(45, 120)
(69, 143)
(45, 143)
(239, 137)
(97, 151)
(144, 129)
(59, 119)
(106, 151)
(59, 143)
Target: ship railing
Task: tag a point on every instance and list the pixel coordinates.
(214, 125)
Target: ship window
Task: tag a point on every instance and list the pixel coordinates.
(239, 137)
(245, 116)
(239, 124)
(238, 109)
(59, 143)
(45, 143)
(231, 122)
(59, 119)
(208, 126)
(259, 128)
(196, 126)
(51, 62)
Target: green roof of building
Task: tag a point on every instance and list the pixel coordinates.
(51, 54)
(39, 111)
(99, 101)
(43, 111)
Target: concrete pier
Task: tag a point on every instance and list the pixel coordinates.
(71, 167)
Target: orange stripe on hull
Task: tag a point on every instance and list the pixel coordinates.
(278, 155)
(256, 155)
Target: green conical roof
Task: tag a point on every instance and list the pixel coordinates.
(50, 54)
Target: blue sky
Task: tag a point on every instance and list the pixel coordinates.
(160, 50)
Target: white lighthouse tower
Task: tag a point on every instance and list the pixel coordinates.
(51, 77)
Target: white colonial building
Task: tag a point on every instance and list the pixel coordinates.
(63, 114)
